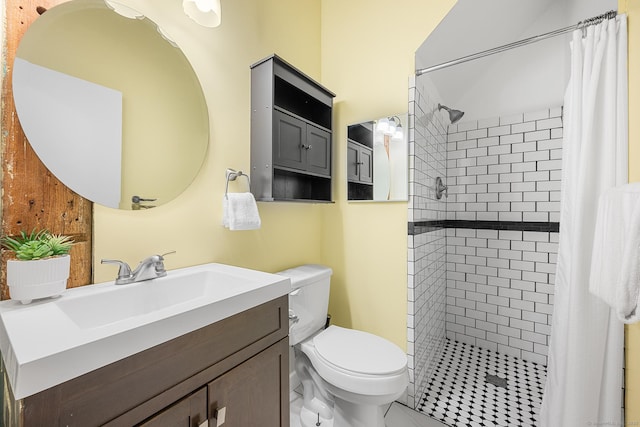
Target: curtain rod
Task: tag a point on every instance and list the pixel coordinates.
(582, 24)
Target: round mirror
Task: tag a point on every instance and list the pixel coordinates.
(110, 105)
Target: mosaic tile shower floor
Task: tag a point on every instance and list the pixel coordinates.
(462, 392)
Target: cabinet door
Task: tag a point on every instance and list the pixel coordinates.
(366, 165)
(359, 163)
(318, 148)
(188, 412)
(255, 393)
(352, 162)
(289, 136)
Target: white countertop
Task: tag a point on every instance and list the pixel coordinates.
(51, 341)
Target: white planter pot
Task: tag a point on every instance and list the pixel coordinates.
(29, 280)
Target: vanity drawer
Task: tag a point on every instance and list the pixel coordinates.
(128, 391)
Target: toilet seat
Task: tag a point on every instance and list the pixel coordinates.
(360, 352)
(357, 361)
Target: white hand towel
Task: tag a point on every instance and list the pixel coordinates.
(615, 273)
(240, 212)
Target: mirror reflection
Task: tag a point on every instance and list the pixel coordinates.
(130, 121)
(377, 159)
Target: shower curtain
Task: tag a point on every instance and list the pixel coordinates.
(584, 378)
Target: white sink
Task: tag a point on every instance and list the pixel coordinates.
(52, 341)
(123, 302)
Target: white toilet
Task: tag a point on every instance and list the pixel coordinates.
(348, 376)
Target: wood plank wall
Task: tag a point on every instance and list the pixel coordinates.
(31, 195)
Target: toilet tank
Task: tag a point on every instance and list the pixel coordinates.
(308, 300)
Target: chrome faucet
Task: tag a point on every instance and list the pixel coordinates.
(149, 268)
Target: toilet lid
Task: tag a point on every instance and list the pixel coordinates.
(359, 351)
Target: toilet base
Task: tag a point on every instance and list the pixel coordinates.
(349, 414)
(309, 419)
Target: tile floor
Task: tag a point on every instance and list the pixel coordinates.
(475, 387)
(402, 416)
(459, 394)
(397, 415)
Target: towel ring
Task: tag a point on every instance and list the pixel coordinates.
(232, 175)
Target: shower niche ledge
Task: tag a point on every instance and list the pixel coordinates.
(291, 134)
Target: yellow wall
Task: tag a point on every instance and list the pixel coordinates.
(291, 234)
(368, 51)
(632, 380)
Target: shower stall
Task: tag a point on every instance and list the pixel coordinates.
(482, 258)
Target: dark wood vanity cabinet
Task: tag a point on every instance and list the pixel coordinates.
(188, 412)
(250, 394)
(237, 368)
(291, 134)
(247, 395)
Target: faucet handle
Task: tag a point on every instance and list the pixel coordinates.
(441, 188)
(155, 258)
(124, 272)
(136, 204)
(158, 260)
(168, 253)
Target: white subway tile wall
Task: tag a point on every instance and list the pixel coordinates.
(506, 168)
(426, 251)
(500, 290)
(500, 283)
(427, 156)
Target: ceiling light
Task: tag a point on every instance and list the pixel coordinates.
(123, 10)
(205, 12)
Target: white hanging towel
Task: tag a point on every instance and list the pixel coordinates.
(615, 262)
(240, 212)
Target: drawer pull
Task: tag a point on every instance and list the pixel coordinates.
(220, 416)
(205, 423)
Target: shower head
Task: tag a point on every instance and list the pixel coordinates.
(454, 115)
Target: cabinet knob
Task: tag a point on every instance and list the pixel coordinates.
(306, 147)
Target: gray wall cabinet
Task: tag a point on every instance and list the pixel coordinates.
(291, 134)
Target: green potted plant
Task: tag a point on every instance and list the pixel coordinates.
(41, 267)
